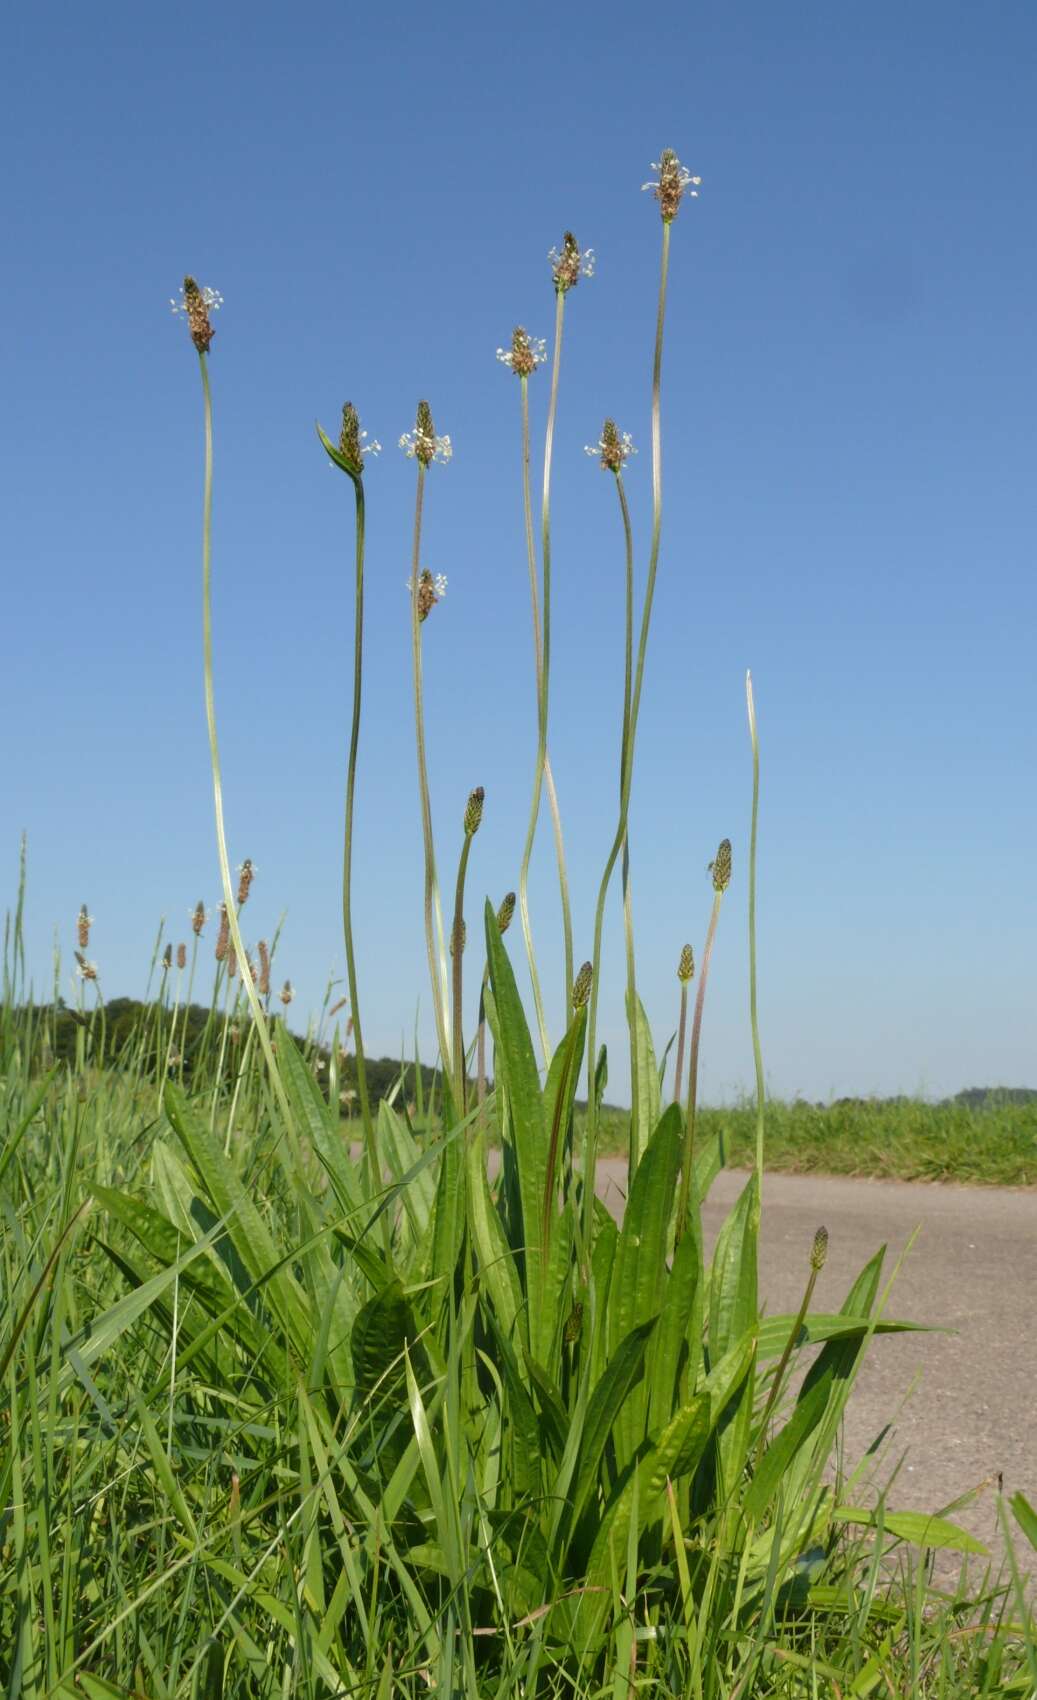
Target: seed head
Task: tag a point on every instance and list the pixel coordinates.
(570, 263)
(582, 986)
(686, 965)
(198, 919)
(573, 1324)
(613, 450)
(422, 444)
(246, 874)
(819, 1249)
(86, 970)
(181, 956)
(525, 354)
(430, 591)
(197, 304)
(473, 812)
(673, 183)
(167, 957)
(83, 925)
(458, 934)
(341, 1004)
(720, 867)
(263, 983)
(287, 993)
(506, 912)
(232, 962)
(223, 936)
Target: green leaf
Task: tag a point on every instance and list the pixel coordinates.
(319, 1123)
(606, 1401)
(732, 1290)
(645, 1113)
(915, 1527)
(639, 1276)
(823, 1325)
(1025, 1516)
(521, 1084)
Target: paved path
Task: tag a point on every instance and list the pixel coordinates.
(962, 1405)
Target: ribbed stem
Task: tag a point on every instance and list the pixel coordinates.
(436, 959)
(214, 754)
(693, 1071)
(678, 1073)
(753, 1019)
(347, 850)
(457, 940)
(534, 596)
(552, 410)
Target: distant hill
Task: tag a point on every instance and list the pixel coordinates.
(992, 1097)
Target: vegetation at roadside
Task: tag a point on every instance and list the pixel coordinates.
(989, 1142)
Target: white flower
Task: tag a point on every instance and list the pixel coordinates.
(673, 183)
(429, 450)
(85, 970)
(212, 300)
(373, 447)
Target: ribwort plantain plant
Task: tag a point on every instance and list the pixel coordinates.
(278, 1422)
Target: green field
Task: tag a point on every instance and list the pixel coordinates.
(907, 1139)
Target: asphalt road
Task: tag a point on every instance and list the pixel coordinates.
(962, 1405)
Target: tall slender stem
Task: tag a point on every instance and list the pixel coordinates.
(637, 1135)
(214, 753)
(436, 959)
(457, 947)
(347, 849)
(693, 1071)
(552, 410)
(682, 1026)
(590, 1156)
(753, 1019)
(534, 596)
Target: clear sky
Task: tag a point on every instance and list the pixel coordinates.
(849, 455)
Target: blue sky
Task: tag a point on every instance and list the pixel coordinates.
(848, 419)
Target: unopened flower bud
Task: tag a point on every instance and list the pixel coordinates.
(582, 986)
(458, 936)
(686, 965)
(506, 912)
(473, 812)
(819, 1249)
(181, 956)
(167, 956)
(198, 919)
(287, 993)
(720, 867)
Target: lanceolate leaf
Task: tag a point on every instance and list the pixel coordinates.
(526, 1112)
(914, 1527)
(645, 1112)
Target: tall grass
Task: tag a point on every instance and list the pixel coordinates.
(274, 1422)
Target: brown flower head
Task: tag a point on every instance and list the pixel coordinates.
(673, 183)
(197, 304)
(612, 448)
(458, 935)
(422, 444)
(223, 936)
(83, 924)
(570, 263)
(246, 874)
(181, 956)
(263, 983)
(431, 589)
(198, 919)
(525, 354)
(86, 970)
(287, 993)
